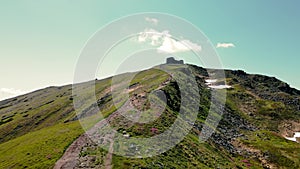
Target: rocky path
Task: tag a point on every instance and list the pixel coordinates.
(70, 159)
(108, 159)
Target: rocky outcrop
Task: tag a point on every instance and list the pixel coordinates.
(171, 60)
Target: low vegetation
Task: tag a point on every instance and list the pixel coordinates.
(37, 128)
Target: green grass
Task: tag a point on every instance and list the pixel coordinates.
(187, 154)
(39, 149)
(37, 129)
(280, 151)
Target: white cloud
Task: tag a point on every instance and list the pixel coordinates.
(6, 93)
(225, 45)
(152, 20)
(165, 43)
(153, 36)
(170, 45)
(11, 91)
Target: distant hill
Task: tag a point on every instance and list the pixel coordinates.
(42, 130)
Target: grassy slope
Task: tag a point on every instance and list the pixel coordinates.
(41, 126)
(268, 113)
(38, 149)
(35, 129)
(189, 153)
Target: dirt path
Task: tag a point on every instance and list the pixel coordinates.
(108, 159)
(70, 158)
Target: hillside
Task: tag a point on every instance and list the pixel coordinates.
(42, 130)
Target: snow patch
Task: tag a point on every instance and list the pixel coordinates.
(210, 84)
(211, 81)
(219, 86)
(294, 138)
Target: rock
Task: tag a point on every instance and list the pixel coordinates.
(171, 60)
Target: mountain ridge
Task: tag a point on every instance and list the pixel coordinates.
(257, 108)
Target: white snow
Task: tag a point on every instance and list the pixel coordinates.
(211, 81)
(219, 86)
(210, 84)
(126, 135)
(296, 135)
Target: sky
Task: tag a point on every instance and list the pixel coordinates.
(40, 41)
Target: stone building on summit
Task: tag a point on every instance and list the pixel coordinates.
(171, 60)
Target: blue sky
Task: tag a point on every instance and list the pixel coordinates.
(41, 40)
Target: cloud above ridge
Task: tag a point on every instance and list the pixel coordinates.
(165, 43)
(6, 93)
